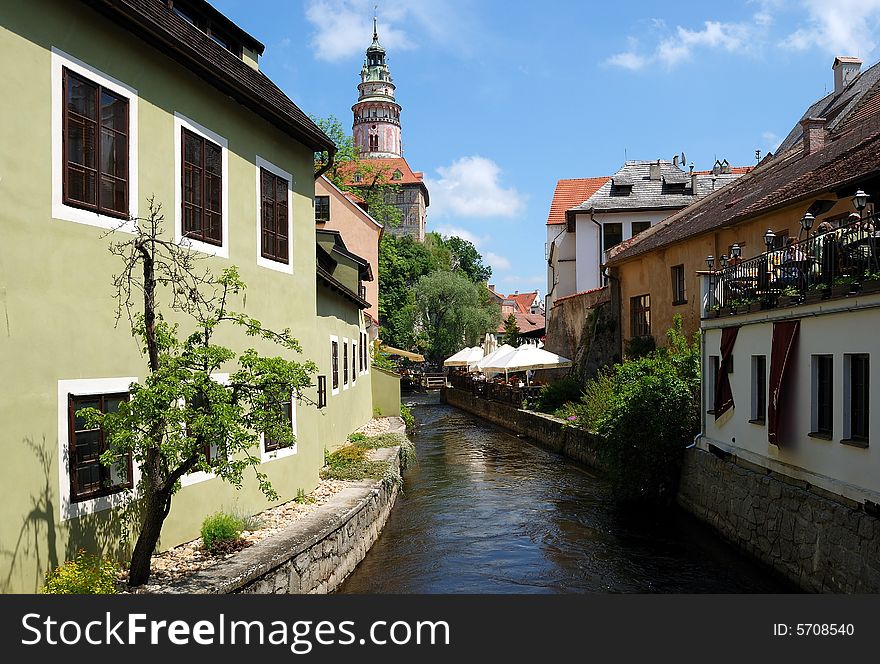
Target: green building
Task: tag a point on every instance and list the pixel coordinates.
(108, 103)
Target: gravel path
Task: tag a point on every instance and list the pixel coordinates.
(184, 559)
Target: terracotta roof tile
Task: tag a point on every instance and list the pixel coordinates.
(570, 193)
(388, 166)
(527, 323)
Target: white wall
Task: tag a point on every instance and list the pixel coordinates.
(589, 260)
(563, 265)
(850, 471)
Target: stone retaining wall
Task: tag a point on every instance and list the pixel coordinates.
(312, 555)
(546, 430)
(815, 539)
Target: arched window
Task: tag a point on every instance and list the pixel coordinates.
(374, 143)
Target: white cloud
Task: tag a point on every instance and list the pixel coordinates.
(842, 27)
(680, 46)
(498, 263)
(628, 60)
(344, 28)
(463, 233)
(470, 187)
(771, 140)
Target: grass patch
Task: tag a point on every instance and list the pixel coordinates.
(352, 463)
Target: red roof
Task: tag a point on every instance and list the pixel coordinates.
(524, 301)
(527, 323)
(387, 166)
(570, 193)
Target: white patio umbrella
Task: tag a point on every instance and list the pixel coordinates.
(488, 363)
(490, 344)
(464, 357)
(530, 357)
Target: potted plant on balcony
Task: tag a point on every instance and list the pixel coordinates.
(789, 296)
(845, 285)
(871, 282)
(816, 293)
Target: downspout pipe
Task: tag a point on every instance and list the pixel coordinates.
(330, 161)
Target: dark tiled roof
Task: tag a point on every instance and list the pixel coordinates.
(569, 193)
(835, 108)
(156, 24)
(852, 156)
(648, 194)
(527, 323)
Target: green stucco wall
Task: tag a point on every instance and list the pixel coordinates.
(386, 392)
(56, 306)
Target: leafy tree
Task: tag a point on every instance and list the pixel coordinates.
(452, 312)
(402, 261)
(465, 257)
(179, 412)
(511, 331)
(375, 184)
(651, 414)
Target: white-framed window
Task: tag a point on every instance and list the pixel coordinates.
(100, 162)
(346, 367)
(822, 396)
(269, 452)
(274, 245)
(197, 476)
(354, 362)
(186, 129)
(711, 378)
(334, 365)
(759, 389)
(70, 396)
(856, 398)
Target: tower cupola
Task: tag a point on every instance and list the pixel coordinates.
(376, 127)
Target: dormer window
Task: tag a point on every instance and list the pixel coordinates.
(397, 175)
(621, 185)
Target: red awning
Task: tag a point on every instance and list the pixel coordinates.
(723, 393)
(784, 337)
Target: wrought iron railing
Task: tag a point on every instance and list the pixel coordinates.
(829, 264)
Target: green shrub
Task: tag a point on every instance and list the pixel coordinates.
(357, 438)
(652, 414)
(345, 456)
(220, 529)
(594, 403)
(555, 395)
(84, 575)
(407, 416)
(639, 347)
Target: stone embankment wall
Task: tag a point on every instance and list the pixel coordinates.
(315, 553)
(820, 541)
(546, 430)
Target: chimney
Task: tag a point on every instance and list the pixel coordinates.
(655, 171)
(693, 181)
(814, 134)
(491, 287)
(845, 71)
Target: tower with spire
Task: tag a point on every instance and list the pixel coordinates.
(377, 136)
(376, 127)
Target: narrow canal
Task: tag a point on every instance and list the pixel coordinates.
(484, 511)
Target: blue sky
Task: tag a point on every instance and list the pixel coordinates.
(501, 98)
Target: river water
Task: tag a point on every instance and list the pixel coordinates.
(484, 511)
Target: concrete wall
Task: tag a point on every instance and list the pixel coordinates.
(821, 544)
(546, 430)
(386, 392)
(312, 555)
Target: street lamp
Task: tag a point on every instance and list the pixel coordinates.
(807, 222)
(769, 237)
(735, 251)
(710, 261)
(860, 201)
(723, 260)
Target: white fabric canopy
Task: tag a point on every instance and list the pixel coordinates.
(464, 357)
(530, 357)
(489, 362)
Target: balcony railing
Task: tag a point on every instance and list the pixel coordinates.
(836, 263)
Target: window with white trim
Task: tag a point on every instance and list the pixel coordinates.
(822, 396)
(86, 485)
(334, 364)
(94, 145)
(271, 449)
(344, 364)
(856, 397)
(201, 187)
(274, 217)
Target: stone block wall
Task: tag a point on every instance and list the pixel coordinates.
(821, 542)
(546, 430)
(314, 554)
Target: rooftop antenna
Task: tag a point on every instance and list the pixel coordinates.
(684, 160)
(375, 26)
